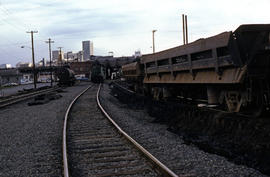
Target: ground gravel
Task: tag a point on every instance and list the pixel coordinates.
(95, 147)
(169, 148)
(31, 136)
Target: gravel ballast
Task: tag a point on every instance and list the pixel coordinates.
(169, 148)
(95, 147)
(31, 136)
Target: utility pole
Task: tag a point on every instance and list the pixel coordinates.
(50, 54)
(67, 57)
(153, 36)
(185, 29)
(33, 57)
(60, 54)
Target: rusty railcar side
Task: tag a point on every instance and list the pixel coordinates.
(202, 61)
(133, 73)
(131, 70)
(230, 68)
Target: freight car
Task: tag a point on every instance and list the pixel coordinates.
(230, 70)
(66, 77)
(133, 73)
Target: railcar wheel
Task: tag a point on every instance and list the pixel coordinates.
(233, 101)
(256, 108)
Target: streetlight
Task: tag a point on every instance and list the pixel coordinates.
(33, 65)
(153, 36)
(25, 47)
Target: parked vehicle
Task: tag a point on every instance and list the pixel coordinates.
(10, 84)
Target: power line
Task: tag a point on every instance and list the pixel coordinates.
(8, 14)
(12, 25)
(12, 44)
(7, 53)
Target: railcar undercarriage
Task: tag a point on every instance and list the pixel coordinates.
(251, 101)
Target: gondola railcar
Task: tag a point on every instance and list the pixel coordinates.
(133, 74)
(230, 70)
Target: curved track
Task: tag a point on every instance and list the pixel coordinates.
(19, 98)
(96, 148)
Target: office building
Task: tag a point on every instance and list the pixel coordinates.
(88, 49)
(55, 55)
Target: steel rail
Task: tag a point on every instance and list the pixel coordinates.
(12, 97)
(154, 160)
(64, 147)
(13, 100)
(118, 85)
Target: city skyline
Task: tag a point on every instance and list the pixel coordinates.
(120, 26)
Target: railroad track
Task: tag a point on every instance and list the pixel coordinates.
(19, 98)
(93, 145)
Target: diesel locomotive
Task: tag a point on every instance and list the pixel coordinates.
(98, 73)
(230, 70)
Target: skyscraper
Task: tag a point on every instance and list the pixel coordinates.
(88, 50)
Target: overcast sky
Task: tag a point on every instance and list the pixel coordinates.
(121, 26)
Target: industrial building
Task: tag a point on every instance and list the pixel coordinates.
(10, 75)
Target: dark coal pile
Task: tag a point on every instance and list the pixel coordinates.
(60, 91)
(240, 139)
(44, 98)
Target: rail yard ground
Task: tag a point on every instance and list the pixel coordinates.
(96, 148)
(31, 137)
(14, 89)
(182, 158)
